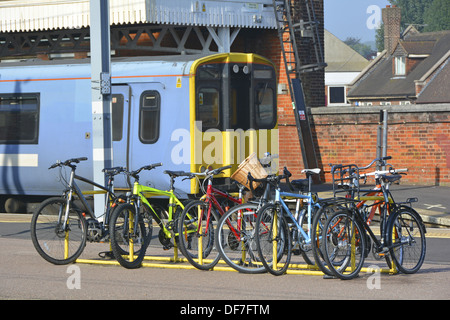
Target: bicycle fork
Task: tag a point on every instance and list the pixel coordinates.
(64, 226)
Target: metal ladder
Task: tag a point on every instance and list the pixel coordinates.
(288, 29)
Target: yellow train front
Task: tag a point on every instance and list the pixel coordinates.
(233, 112)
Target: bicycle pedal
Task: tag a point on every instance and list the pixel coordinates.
(296, 252)
(106, 255)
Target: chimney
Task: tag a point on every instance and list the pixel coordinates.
(391, 19)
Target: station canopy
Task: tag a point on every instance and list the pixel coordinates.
(36, 15)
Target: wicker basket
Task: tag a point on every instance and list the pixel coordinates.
(252, 165)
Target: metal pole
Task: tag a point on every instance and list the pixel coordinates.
(102, 153)
(385, 134)
(379, 138)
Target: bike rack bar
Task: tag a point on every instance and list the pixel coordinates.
(174, 263)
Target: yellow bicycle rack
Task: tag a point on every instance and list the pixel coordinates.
(176, 262)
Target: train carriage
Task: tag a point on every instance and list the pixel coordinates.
(188, 112)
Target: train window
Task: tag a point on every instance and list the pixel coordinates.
(117, 116)
(209, 72)
(265, 106)
(263, 73)
(150, 107)
(19, 118)
(208, 101)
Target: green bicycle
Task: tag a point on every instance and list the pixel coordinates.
(125, 220)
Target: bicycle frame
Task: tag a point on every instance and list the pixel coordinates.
(74, 188)
(144, 192)
(210, 198)
(382, 197)
(311, 203)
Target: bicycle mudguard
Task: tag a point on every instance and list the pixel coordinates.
(399, 207)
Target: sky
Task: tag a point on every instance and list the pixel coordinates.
(353, 18)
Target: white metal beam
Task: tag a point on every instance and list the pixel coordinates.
(102, 154)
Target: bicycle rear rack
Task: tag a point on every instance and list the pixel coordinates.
(346, 180)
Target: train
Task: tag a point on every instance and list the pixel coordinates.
(189, 112)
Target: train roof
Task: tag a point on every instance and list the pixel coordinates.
(148, 65)
(161, 59)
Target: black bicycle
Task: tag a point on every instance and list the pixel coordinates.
(347, 238)
(60, 227)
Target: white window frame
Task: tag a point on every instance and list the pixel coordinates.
(400, 65)
(337, 103)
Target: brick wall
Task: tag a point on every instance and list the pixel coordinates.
(418, 136)
(418, 139)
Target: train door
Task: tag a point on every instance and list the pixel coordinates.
(120, 124)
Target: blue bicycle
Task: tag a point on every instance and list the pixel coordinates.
(279, 231)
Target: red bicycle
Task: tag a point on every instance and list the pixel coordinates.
(199, 219)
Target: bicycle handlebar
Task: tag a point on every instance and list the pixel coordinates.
(68, 162)
(114, 171)
(210, 173)
(380, 160)
(285, 176)
(147, 167)
(383, 172)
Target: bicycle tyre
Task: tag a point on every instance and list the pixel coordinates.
(319, 220)
(124, 239)
(306, 250)
(267, 243)
(343, 244)
(49, 240)
(406, 240)
(236, 241)
(188, 236)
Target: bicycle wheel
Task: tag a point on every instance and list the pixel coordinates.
(273, 240)
(319, 220)
(406, 240)
(196, 232)
(236, 241)
(343, 245)
(55, 242)
(305, 249)
(129, 240)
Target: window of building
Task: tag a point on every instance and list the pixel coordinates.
(400, 66)
(19, 118)
(336, 95)
(149, 116)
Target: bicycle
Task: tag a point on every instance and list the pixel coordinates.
(198, 221)
(60, 229)
(348, 237)
(329, 206)
(125, 234)
(235, 238)
(278, 231)
(236, 235)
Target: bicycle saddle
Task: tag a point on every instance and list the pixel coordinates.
(176, 173)
(392, 178)
(311, 171)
